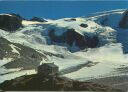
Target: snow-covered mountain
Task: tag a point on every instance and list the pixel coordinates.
(84, 48)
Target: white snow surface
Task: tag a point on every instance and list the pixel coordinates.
(14, 49)
(109, 55)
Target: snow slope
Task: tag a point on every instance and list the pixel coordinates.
(105, 60)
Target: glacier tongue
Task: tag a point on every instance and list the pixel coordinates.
(110, 58)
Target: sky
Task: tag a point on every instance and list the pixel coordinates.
(59, 9)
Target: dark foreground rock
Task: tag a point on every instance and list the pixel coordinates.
(124, 21)
(71, 36)
(10, 22)
(41, 83)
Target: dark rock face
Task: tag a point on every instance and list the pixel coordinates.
(124, 21)
(71, 36)
(92, 42)
(10, 22)
(38, 19)
(84, 25)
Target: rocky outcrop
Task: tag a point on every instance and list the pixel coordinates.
(124, 21)
(38, 19)
(71, 37)
(22, 56)
(10, 22)
(52, 83)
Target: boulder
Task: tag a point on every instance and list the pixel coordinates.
(124, 21)
(71, 37)
(70, 20)
(83, 25)
(73, 19)
(10, 22)
(38, 19)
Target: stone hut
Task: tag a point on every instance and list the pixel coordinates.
(48, 69)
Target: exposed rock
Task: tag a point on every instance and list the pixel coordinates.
(71, 36)
(10, 22)
(38, 19)
(70, 20)
(17, 15)
(52, 83)
(83, 25)
(124, 21)
(73, 19)
(92, 42)
(25, 57)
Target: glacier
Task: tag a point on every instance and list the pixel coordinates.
(106, 59)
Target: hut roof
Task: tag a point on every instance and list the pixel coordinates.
(50, 65)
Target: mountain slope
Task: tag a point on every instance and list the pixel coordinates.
(16, 57)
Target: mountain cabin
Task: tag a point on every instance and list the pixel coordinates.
(48, 69)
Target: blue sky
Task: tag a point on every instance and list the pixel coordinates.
(59, 9)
